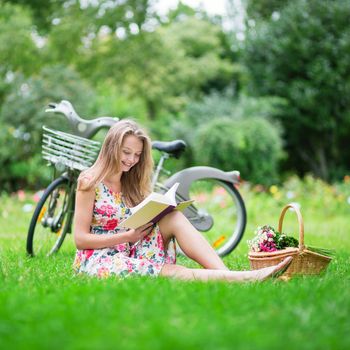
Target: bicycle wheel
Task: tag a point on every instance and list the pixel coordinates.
(218, 212)
(50, 221)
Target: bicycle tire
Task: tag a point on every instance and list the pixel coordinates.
(54, 236)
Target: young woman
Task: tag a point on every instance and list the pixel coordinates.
(120, 179)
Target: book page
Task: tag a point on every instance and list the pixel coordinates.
(171, 193)
(145, 215)
(183, 205)
(154, 207)
(156, 197)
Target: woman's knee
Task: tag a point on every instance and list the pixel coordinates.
(169, 221)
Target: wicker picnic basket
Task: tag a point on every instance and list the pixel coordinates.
(304, 262)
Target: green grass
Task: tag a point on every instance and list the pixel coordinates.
(43, 305)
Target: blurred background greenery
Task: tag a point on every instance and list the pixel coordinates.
(269, 98)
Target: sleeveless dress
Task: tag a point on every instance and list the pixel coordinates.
(146, 257)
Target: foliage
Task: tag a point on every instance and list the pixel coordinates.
(17, 48)
(23, 116)
(301, 56)
(251, 146)
(157, 70)
(111, 101)
(163, 70)
(263, 9)
(164, 67)
(100, 12)
(42, 15)
(225, 104)
(15, 28)
(233, 133)
(204, 65)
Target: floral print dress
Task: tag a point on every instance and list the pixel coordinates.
(146, 257)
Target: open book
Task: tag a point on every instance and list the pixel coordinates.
(154, 207)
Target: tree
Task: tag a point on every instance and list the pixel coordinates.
(163, 67)
(42, 15)
(302, 56)
(263, 9)
(17, 48)
(101, 12)
(22, 117)
(235, 132)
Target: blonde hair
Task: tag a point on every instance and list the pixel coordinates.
(136, 183)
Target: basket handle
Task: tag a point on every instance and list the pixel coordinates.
(300, 220)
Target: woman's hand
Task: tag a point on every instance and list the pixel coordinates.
(140, 232)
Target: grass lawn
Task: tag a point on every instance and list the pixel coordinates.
(43, 305)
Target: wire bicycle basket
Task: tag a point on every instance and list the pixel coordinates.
(67, 150)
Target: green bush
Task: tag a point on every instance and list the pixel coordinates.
(238, 130)
(22, 116)
(251, 146)
(301, 54)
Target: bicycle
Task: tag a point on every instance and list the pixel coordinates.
(218, 211)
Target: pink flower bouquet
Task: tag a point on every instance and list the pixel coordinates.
(267, 239)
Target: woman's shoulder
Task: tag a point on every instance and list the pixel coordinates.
(86, 182)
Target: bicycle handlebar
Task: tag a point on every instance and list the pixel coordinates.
(81, 127)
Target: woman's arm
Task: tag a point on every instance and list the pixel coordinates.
(84, 205)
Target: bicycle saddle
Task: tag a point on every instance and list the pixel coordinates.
(81, 127)
(175, 148)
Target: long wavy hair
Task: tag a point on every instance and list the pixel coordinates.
(135, 183)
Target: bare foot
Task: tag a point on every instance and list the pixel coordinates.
(272, 271)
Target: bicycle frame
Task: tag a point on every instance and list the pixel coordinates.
(159, 168)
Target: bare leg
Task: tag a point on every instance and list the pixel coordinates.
(194, 245)
(184, 273)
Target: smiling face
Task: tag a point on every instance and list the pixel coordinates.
(130, 153)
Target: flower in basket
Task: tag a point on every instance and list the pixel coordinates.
(267, 239)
